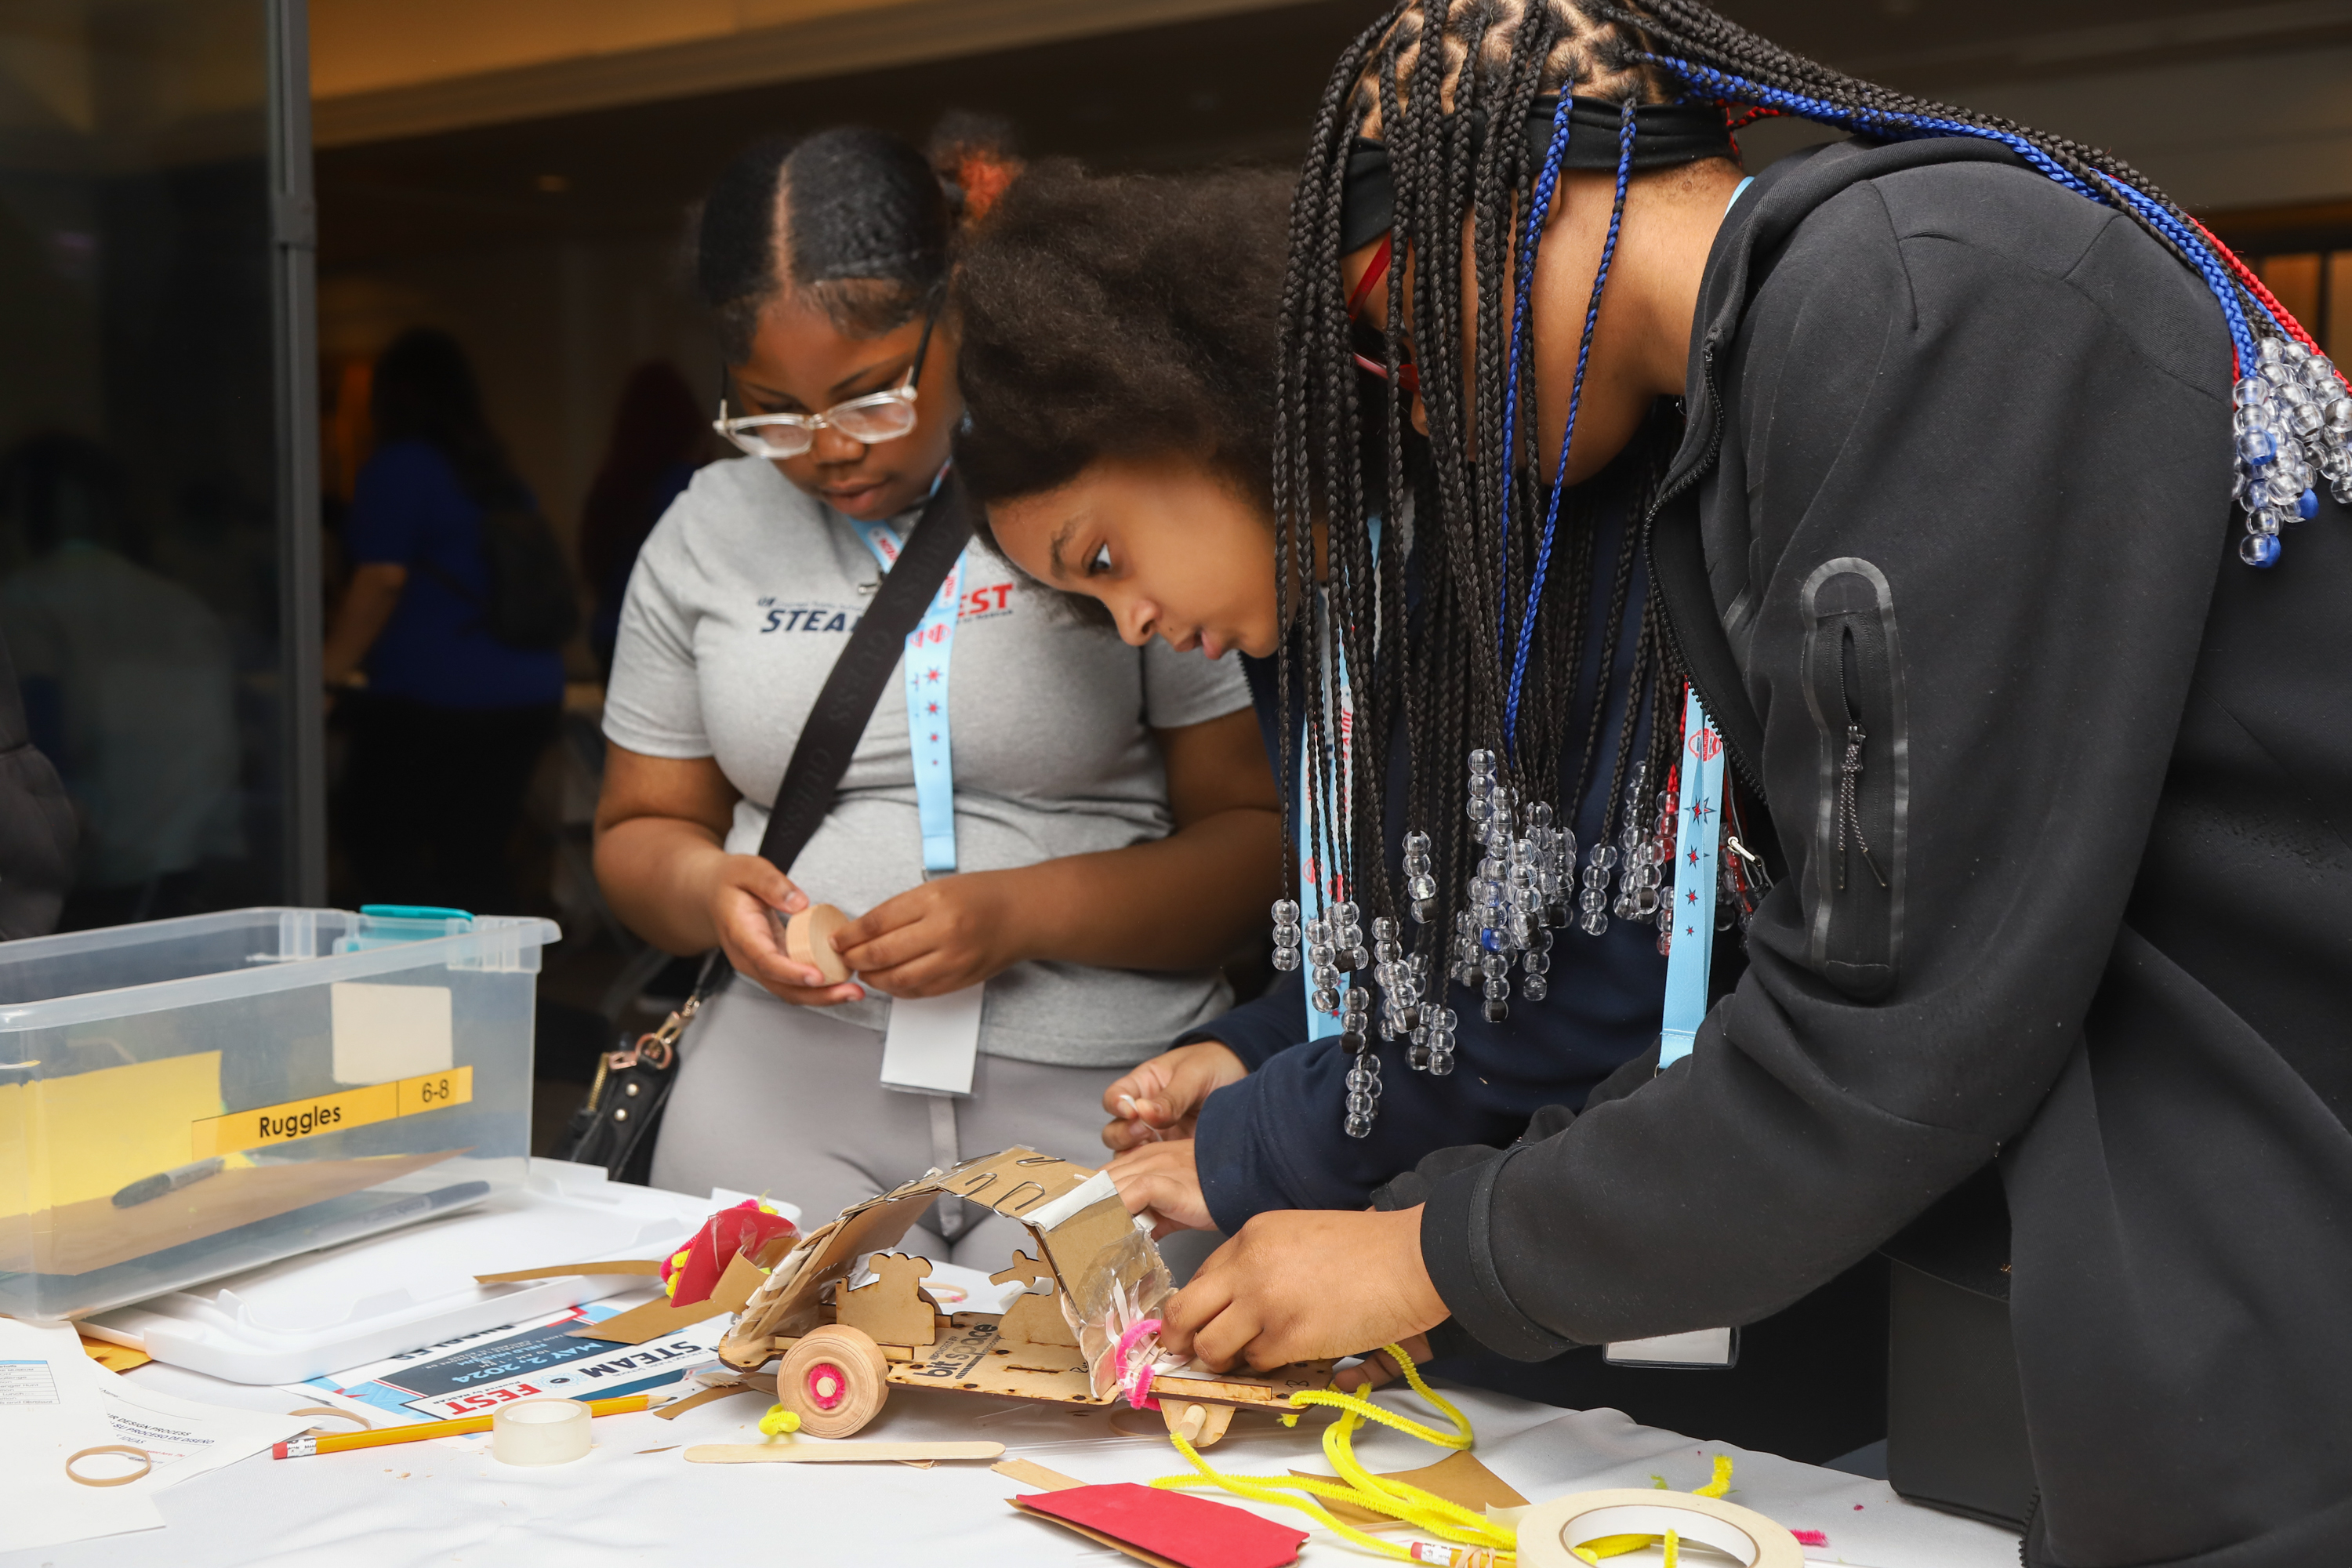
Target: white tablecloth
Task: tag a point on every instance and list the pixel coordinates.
(447, 1501)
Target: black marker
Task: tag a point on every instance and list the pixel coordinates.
(146, 1189)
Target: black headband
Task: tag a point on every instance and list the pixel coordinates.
(1665, 135)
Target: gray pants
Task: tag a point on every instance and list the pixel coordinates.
(787, 1101)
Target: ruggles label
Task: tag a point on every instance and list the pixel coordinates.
(269, 1124)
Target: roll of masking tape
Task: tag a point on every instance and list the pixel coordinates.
(1549, 1532)
(539, 1432)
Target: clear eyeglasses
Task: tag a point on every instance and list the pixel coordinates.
(878, 416)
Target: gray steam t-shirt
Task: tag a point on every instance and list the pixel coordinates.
(742, 599)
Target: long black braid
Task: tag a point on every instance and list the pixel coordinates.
(1426, 80)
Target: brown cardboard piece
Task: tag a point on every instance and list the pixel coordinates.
(638, 1324)
(677, 1407)
(1011, 1183)
(892, 1308)
(559, 1270)
(1457, 1478)
(1035, 1318)
(1026, 1353)
(808, 939)
(1031, 1473)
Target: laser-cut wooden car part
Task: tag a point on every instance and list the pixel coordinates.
(893, 1308)
(836, 1372)
(808, 939)
(1036, 1316)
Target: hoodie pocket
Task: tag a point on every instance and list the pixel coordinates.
(1854, 688)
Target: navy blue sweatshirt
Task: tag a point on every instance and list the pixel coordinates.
(1274, 1140)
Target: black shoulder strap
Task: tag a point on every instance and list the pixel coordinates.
(863, 670)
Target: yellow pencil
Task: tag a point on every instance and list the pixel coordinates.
(417, 1432)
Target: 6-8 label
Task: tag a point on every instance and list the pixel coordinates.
(265, 1125)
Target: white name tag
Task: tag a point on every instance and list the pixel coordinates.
(933, 1042)
(1699, 1348)
(386, 1032)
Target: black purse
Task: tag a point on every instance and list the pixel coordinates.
(619, 1124)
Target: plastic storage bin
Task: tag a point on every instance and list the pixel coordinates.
(191, 1097)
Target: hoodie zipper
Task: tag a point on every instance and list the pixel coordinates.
(1848, 796)
(1712, 407)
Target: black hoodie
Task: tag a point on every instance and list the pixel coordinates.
(1957, 472)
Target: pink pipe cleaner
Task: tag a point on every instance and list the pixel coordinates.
(1138, 1380)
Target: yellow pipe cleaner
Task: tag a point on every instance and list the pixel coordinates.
(1415, 1505)
(1396, 1499)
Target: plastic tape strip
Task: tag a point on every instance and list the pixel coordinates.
(1549, 1532)
(539, 1432)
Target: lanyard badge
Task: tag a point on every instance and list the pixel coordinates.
(930, 646)
(1698, 833)
(933, 1042)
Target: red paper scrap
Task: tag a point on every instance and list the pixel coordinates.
(1190, 1531)
(1811, 1537)
(693, 1273)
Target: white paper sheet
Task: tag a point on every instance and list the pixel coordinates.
(184, 1438)
(50, 1409)
(933, 1042)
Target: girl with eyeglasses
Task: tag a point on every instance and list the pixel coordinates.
(1107, 814)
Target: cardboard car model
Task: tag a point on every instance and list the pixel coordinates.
(1066, 1340)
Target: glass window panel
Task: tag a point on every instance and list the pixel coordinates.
(140, 579)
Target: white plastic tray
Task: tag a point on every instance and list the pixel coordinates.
(323, 1312)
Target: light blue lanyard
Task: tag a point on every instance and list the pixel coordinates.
(1699, 823)
(930, 647)
(1698, 827)
(1320, 892)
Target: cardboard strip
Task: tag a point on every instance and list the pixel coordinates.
(638, 1324)
(561, 1271)
(677, 1407)
(835, 1453)
(1035, 1475)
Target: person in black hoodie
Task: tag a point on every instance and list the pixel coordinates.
(2003, 547)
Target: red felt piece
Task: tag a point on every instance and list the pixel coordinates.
(1190, 1531)
(743, 1228)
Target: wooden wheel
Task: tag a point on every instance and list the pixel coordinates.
(833, 1380)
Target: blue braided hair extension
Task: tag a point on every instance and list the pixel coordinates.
(1539, 214)
(1575, 398)
(1894, 126)
(2294, 420)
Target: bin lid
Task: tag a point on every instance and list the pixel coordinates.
(323, 1312)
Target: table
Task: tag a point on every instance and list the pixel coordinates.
(447, 1501)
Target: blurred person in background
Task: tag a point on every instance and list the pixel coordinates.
(658, 439)
(456, 705)
(128, 684)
